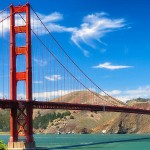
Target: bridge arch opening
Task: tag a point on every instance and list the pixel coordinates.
(21, 90)
(21, 63)
(20, 39)
(20, 19)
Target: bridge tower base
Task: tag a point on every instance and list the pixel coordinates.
(21, 146)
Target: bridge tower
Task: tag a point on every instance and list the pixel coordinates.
(21, 116)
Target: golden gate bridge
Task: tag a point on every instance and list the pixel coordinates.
(37, 73)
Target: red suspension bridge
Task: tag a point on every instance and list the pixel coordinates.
(37, 73)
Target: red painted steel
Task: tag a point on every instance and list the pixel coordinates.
(20, 29)
(21, 116)
(21, 50)
(13, 111)
(70, 106)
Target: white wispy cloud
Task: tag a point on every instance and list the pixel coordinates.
(114, 92)
(55, 77)
(103, 50)
(37, 82)
(53, 17)
(5, 25)
(109, 66)
(51, 94)
(94, 27)
(124, 95)
(51, 22)
(53, 27)
(40, 62)
(1, 95)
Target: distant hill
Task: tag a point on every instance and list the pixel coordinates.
(85, 97)
(138, 100)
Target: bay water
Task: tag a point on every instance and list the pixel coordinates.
(90, 141)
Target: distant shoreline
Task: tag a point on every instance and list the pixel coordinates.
(4, 133)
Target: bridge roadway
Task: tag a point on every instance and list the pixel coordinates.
(6, 104)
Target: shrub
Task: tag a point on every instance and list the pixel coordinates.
(92, 115)
(2, 146)
(67, 113)
(71, 117)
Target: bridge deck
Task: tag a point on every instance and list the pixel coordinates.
(6, 104)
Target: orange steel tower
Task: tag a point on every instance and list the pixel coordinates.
(20, 117)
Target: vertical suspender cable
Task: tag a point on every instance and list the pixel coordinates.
(2, 57)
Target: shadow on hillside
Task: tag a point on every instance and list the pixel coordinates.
(98, 143)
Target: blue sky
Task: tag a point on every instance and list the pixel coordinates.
(109, 40)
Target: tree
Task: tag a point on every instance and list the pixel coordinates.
(42, 121)
(4, 123)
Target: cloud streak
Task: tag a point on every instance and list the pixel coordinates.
(52, 94)
(51, 22)
(109, 66)
(124, 95)
(5, 25)
(53, 17)
(94, 27)
(53, 77)
(40, 62)
(37, 82)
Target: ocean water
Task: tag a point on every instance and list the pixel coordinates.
(91, 141)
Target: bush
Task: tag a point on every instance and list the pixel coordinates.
(71, 117)
(92, 115)
(67, 113)
(2, 146)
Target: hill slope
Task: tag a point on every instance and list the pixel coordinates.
(133, 123)
(98, 122)
(82, 121)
